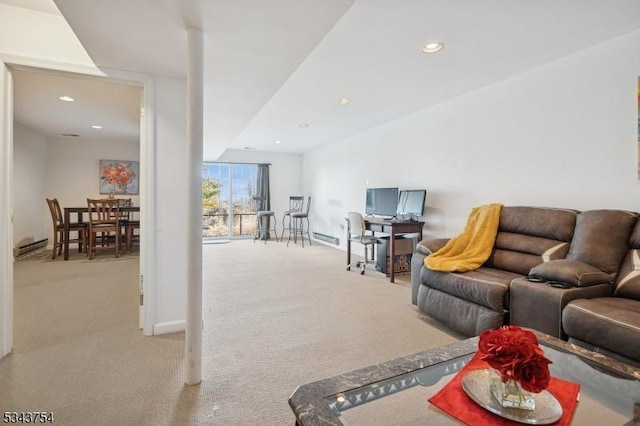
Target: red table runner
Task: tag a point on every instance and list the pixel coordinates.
(453, 400)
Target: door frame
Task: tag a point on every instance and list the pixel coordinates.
(148, 190)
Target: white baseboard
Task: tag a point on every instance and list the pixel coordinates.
(169, 327)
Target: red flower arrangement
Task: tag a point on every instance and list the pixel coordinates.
(515, 354)
(118, 175)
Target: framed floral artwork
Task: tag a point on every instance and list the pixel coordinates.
(119, 177)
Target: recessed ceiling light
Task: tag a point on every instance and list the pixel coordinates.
(66, 98)
(344, 101)
(432, 47)
(96, 127)
(303, 125)
(277, 141)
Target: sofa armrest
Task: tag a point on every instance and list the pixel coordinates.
(573, 272)
(427, 247)
(417, 262)
(539, 306)
(423, 249)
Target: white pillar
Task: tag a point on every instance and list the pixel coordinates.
(6, 210)
(195, 86)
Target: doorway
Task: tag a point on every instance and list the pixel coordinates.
(7, 192)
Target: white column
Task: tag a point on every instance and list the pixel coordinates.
(195, 86)
(6, 210)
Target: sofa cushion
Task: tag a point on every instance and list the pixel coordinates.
(628, 282)
(634, 239)
(484, 286)
(550, 223)
(601, 238)
(527, 244)
(612, 323)
(429, 246)
(528, 236)
(463, 316)
(572, 272)
(519, 253)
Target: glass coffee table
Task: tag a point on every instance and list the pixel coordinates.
(397, 392)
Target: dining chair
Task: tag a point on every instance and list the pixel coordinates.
(133, 223)
(295, 205)
(104, 219)
(58, 230)
(126, 223)
(298, 224)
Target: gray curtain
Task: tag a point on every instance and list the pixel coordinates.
(262, 186)
(262, 190)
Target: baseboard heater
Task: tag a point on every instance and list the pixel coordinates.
(25, 249)
(327, 238)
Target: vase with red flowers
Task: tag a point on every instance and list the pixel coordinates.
(520, 367)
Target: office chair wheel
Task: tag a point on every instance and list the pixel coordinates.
(361, 265)
(348, 267)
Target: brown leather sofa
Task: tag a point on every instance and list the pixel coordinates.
(474, 301)
(611, 324)
(579, 253)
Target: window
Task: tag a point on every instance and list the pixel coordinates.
(227, 204)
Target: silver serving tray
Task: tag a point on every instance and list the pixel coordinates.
(476, 384)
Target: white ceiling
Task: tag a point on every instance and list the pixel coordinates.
(46, 6)
(113, 106)
(271, 65)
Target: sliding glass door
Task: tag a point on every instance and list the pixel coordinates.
(227, 200)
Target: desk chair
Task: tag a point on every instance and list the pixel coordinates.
(104, 219)
(358, 233)
(296, 203)
(298, 224)
(263, 218)
(58, 230)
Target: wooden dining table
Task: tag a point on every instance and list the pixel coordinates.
(80, 211)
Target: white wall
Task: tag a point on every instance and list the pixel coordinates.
(62, 168)
(171, 184)
(30, 212)
(74, 167)
(563, 134)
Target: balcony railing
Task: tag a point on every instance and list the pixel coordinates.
(217, 224)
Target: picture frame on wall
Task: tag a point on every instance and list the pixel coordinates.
(118, 177)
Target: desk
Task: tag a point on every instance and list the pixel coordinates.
(392, 227)
(80, 211)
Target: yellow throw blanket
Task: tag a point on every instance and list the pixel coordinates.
(473, 246)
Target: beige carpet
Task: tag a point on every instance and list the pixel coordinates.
(275, 317)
